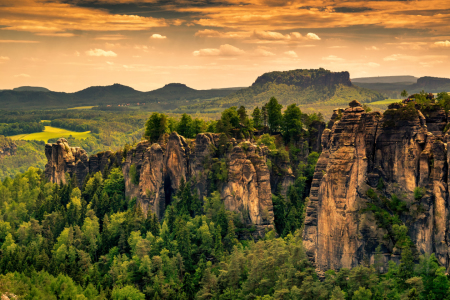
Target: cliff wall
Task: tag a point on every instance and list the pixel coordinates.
(392, 155)
(238, 170)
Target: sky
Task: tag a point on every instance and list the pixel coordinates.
(68, 45)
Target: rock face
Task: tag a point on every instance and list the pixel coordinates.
(303, 78)
(7, 147)
(153, 172)
(403, 150)
(63, 159)
(161, 168)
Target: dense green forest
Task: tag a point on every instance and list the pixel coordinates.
(66, 242)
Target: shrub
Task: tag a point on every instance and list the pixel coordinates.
(134, 175)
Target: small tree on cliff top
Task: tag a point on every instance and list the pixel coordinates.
(155, 127)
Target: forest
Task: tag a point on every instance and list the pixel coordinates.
(88, 241)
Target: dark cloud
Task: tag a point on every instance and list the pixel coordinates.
(344, 9)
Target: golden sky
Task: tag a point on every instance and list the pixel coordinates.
(68, 45)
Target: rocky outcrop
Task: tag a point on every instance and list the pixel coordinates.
(393, 154)
(246, 188)
(305, 78)
(7, 147)
(64, 161)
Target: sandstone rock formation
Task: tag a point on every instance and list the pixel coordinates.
(153, 172)
(74, 161)
(7, 147)
(161, 168)
(404, 151)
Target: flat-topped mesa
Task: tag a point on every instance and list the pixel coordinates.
(395, 152)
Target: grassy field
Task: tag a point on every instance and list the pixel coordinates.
(50, 133)
(385, 102)
(82, 107)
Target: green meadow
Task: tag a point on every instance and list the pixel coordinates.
(50, 133)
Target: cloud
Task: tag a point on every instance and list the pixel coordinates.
(76, 53)
(338, 47)
(56, 34)
(100, 52)
(110, 63)
(372, 48)
(223, 50)
(313, 36)
(409, 45)
(158, 36)
(291, 53)
(22, 75)
(333, 58)
(57, 17)
(111, 37)
(261, 36)
(372, 64)
(18, 41)
(263, 52)
(209, 33)
(3, 59)
(422, 59)
(443, 44)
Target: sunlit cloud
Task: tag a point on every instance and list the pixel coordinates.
(111, 37)
(372, 48)
(158, 36)
(332, 58)
(223, 50)
(56, 17)
(18, 42)
(56, 34)
(3, 59)
(419, 58)
(22, 75)
(209, 33)
(442, 44)
(100, 52)
(263, 52)
(291, 53)
(272, 36)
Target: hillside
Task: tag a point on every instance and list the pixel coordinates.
(31, 89)
(394, 88)
(165, 98)
(386, 79)
(296, 86)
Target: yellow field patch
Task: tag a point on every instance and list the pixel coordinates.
(51, 133)
(385, 102)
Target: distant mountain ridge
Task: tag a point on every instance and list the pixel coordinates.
(386, 79)
(393, 89)
(168, 97)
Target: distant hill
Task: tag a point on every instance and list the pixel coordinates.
(30, 89)
(386, 79)
(168, 97)
(296, 86)
(393, 89)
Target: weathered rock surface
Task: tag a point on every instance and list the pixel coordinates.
(404, 150)
(7, 147)
(63, 160)
(246, 190)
